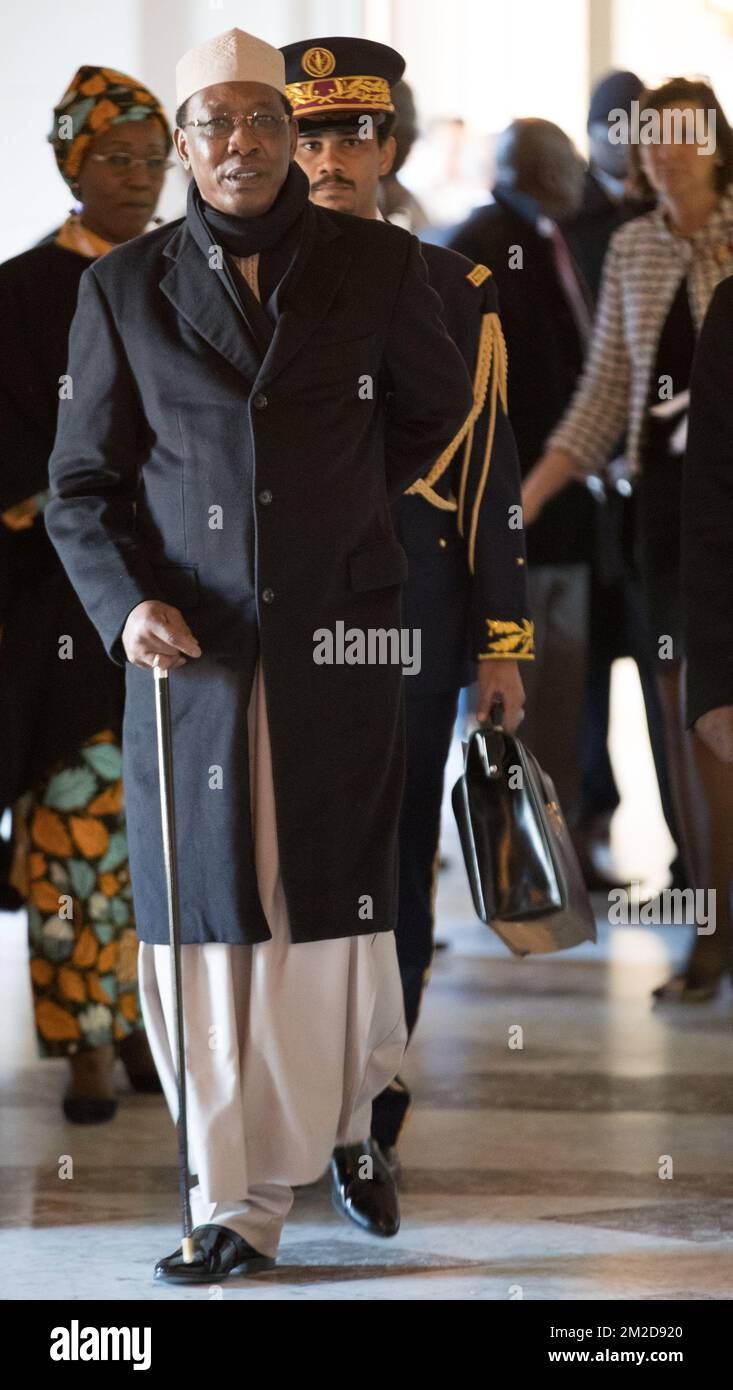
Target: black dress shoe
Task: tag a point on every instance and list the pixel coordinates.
(370, 1202)
(217, 1253)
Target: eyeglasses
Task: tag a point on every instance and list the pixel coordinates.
(221, 127)
(123, 163)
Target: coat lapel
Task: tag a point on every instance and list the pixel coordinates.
(203, 299)
(320, 264)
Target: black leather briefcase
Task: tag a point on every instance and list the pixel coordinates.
(524, 874)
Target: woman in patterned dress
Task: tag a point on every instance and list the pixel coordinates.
(60, 697)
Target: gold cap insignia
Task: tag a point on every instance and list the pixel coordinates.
(318, 62)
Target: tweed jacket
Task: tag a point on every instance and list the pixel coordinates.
(642, 272)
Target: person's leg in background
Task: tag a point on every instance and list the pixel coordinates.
(702, 789)
(429, 726)
(618, 628)
(638, 647)
(599, 795)
(714, 953)
(555, 681)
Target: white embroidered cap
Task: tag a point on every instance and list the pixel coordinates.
(230, 57)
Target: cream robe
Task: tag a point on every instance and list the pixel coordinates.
(286, 1045)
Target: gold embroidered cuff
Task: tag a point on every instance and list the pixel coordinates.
(509, 639)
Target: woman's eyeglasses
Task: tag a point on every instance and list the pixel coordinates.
(221, 127)
(123, 163)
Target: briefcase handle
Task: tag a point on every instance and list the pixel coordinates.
(496, 715)
(495, 722)
(491, 744)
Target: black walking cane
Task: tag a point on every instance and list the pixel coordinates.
(168, 822)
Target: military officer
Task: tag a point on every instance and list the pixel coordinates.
(460, 524)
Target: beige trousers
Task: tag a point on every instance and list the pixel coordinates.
(286, 1045)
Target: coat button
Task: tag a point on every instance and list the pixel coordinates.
(268, 595)
(265, 497)
(259, 401)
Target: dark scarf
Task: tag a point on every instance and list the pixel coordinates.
(245, 236)
(275, 235)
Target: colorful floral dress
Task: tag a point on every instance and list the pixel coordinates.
(72, 868)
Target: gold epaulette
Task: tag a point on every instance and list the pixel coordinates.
(478, 274)
(490, 335)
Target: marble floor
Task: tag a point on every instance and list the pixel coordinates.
(594, 1163)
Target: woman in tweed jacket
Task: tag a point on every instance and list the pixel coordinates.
(659, 276)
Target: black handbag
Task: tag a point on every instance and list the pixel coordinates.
(524, 874)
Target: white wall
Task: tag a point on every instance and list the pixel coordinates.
(492, 60)
(43, 44)
(676, 38)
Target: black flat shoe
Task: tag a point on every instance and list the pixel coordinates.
(217, 1254)
(370, 1202)
(89, 1110)
(688, 989)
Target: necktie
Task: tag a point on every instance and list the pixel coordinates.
(568, 278)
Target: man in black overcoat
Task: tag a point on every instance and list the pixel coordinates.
(707, 573)
(254, 386)
(707, 531)
(460, 526)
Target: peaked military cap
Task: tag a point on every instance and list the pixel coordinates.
(334, 81)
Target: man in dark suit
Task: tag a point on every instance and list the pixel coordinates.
(253, 386)
(606, 202)
(466, 589)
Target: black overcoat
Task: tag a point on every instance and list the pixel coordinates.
(707, 513)
(255, 496)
